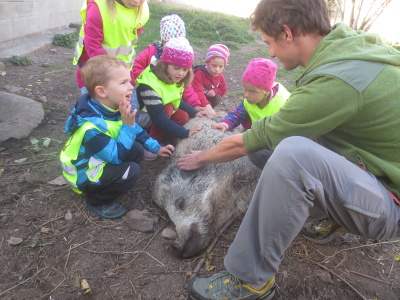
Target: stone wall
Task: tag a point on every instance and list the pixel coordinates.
(19, 18)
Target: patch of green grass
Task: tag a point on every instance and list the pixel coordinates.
(20, 60)
(203, 28)
(67, 40)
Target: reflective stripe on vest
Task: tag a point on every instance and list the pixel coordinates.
(169, 92)
(119, 29)
(274, 105)
(70, 153)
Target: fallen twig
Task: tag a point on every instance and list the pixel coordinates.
(137, 255)
(357, 247)
(125, 252)
(340, 277)
(22, 282)
(368, 276)
(56, 287)
(212, 245)
(29, 162)
(51, 220)
(69, 252)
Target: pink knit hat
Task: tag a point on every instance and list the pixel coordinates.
(218, 50)
(177, 51)
(261, 73)
(171, 26)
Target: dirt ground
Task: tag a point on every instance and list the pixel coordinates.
(118, 263)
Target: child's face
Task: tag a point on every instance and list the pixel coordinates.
(132, 3)
(117, 88)
(215, 66)
(254, 94)
(176, 74)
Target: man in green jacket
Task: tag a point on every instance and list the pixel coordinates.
(335, 143)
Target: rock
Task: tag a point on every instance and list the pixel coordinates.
(14, 241)
(2, 66)
(47, 79)
(52, 122)
(21, 116)
(45, 65)
(68, 215)
(53, 50)
(43, 99)
(59, 181)
(168, 233)
(141, 220)
(12, 88)
(3, 73)
(45, 230)
(21, 160)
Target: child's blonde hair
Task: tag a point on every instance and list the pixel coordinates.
(96, 71)
(160, 69)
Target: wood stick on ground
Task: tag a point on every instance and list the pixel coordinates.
(22, 282)
(29, 162)
(212, 245)
(340, 277)
(69, 252)
(56, 287)
(357, 247)
(368, 276)
(137, 255)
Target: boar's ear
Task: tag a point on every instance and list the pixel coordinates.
(180, 203)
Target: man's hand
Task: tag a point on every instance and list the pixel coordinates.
(166, 151)
(127, 115)
(220, 126)
(190, 161)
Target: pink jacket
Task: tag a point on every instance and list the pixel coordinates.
(204, 82)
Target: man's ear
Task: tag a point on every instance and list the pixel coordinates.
(287, 33)
(100, 91)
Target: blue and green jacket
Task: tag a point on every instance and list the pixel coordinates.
(98, 137)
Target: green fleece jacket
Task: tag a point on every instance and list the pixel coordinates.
(347, 98)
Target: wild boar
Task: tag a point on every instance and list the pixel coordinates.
(200, 202)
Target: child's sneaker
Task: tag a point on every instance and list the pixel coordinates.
(147, 155)
(113, 210)
(224, 285)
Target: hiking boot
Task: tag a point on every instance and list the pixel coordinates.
(113, 210)
(225, 286)
(320, 231)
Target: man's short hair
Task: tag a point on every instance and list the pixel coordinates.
(301, 16)
(96, 71)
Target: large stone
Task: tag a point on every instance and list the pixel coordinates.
(141, 220)
(18, 116)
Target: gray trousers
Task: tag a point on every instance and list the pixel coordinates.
(299, 176)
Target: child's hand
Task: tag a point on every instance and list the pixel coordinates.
(220, 126)
(166, 151)
(211, 93)
(210, 111)
(127, 115)
(194, 130)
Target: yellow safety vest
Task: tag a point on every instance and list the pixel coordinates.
(273, 106)
(71, 149)
(170, 93)
(119, 29)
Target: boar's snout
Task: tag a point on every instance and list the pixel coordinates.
(193, 245)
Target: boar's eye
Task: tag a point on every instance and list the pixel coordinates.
(180, 203)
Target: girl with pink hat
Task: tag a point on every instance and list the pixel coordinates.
(263, 96)
(209, 81)
(160, 89)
